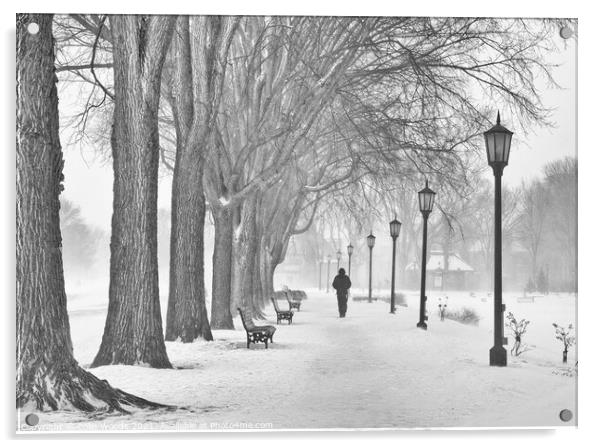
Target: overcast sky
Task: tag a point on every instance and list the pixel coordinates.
(90, 184)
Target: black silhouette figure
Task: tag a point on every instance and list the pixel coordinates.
(341, 284)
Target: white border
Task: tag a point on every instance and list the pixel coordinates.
(590, 311)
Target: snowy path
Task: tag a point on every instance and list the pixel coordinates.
(369, 370)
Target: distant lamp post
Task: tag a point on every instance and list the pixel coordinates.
(339, 255)
(395, 228)
(426, 200)
(349, 252)
(497, 143)
(371, 239)
(319, 274)
(328, 273)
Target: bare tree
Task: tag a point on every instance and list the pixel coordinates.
(533, 209)
(198, 55)
(48, 376)
(560, 178)
(133, 331)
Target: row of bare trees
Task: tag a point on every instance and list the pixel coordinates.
(260, 119)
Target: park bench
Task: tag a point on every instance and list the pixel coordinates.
(256, 334)
(298, 295)
(293, 303)
(282, 314)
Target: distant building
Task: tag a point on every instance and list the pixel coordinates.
(443, 272)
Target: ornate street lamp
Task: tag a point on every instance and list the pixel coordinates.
(497, 143)
(371, 239)
(426, 200)
(339, 255)
(349, 252)
(395, 228)
(328, 273)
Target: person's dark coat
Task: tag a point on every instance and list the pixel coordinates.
(341, 284)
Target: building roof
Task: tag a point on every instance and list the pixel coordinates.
(436, 263)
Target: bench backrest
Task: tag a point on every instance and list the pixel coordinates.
(280, 295)
(298, 295)
(275, 302)
(247, 319)
(288, 296)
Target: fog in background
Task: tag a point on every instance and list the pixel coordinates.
(87, 209)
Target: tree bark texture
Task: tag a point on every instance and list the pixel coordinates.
(244, 246)
(48, 376)
(186, 311)
(221, 316)
(133, 331)
(198, 57)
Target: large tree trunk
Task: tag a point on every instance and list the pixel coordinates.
(199, 55)
(186, 311)
(243, 258)
(221, 316)
(133, 331)
(48, 377)
(259, 294)
(265, 272)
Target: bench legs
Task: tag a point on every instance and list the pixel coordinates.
(284, 316)
(256, 338)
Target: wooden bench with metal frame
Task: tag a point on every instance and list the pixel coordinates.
(256, 334)
(282, 314)
(293, 304)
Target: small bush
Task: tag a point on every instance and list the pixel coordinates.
(442, 309)
(400, 299)
(465, 315)
(518, 329)
(566, 336)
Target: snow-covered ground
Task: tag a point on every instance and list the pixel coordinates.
(369, 370)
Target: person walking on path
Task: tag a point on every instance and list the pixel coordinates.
(341, 284)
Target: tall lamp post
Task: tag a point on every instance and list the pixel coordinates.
(497, 144)
(328, 273)
(395, 228)
(426, 200)
(349, 252)
(371, 239)
(339, 255)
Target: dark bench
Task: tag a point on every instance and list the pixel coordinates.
(293, 303)
(298, 295)
(256, 333)
(282, 314)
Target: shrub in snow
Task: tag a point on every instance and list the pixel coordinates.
(442, 309)
(518, 329)
(400, 299)
(464, 316)
(564, 335)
